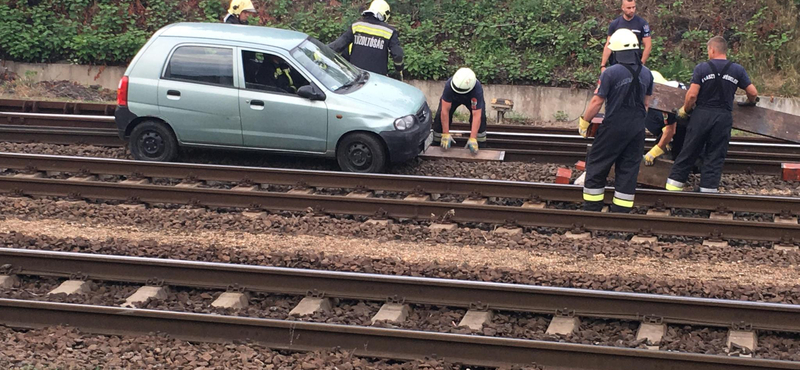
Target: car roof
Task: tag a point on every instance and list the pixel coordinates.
(285, 39)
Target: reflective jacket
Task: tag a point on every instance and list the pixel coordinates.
(369, 43)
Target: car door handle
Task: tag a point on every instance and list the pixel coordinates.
(257, 105)
(173, 94)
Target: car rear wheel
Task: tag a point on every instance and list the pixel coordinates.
(361, 152)
(153, 141)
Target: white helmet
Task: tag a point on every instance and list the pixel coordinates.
(623, 39)
(463, 81)
(379, 8)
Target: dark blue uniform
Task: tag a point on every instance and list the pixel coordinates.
(709, 130)
(620, 139)
(472, 100)
(637, 24)
(368, 43)
(655, 123)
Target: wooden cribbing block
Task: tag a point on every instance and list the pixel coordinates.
(462, 154)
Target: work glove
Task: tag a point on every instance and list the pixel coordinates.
(650, 157)
(747, 103)
(583, 128)
(446, 141)
(472, 145)
(682, 114)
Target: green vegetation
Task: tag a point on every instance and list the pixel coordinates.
(547, 42)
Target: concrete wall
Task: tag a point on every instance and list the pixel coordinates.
(108, 77)
(539, 103)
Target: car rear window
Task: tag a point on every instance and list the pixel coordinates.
(203, 64)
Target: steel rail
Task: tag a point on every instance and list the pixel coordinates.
(395, 183)
(364, 341)
(415, 290)
(59, 135)
(403, 209)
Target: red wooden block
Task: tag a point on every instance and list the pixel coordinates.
(581, 166)
(791, 171)
(563, 176)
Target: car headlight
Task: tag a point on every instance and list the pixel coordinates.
(405, 123)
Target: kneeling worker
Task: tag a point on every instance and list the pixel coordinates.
(669, 136)
(625, 88)
(461, 89)
(714, 84)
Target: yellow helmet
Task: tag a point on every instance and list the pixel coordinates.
(381, 10)
(239, 6)
(463, 81)
(623, 39)
(659, 78)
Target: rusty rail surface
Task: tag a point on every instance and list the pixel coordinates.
(413, 290)
(786, 206)
(404, 209)
(364, 341)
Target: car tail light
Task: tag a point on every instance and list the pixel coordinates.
(122, 92)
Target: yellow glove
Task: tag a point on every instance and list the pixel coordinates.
(583, 128)
(682, 114)
(650, 157)
(472, 145)
(446, 141)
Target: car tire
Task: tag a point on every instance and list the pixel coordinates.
(153, 141)
(361, 152)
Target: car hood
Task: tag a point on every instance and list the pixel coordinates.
(395, 97)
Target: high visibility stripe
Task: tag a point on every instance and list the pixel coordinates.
(623, 203)
(371, 30)
(374, 26)
(481, 139)
(351, 49)
(676, 184)
(673, 188)
(597, 191)
(707, 190)
(593, 198)
(624, 196)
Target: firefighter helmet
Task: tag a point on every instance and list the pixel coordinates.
(239, 6)
(463, 81)
(623, 39)
(380, 9)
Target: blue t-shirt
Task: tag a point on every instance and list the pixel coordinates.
(614, 84)
(473, 100)
(638, 25)
(709, 97)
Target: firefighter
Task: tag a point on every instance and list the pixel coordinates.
(239, 11)
(274, 72)
(625, 88)
(369, 42)
(669, 135)
(710, 103)
(461, 89)
(633, 22)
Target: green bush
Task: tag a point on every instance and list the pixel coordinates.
(550, 42)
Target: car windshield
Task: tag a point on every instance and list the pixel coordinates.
(327, 66)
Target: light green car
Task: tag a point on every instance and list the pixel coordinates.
(257, 88)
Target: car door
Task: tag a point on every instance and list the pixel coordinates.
(197, 95)
(273, 115)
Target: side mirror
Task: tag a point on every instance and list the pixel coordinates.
(311, 92)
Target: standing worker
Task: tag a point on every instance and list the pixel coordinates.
(628, 20)
(239, 11)
(370, 41)
(669, 136)
(461, 89)
(710, 103)
(625, 88)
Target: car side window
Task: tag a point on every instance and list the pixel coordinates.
(203, 64)
(270, 73)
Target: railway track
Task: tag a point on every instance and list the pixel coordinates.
(244, 187)
(77, 123)
(477, 297)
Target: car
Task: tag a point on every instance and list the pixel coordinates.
(240, 87)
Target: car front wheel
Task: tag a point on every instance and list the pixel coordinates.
(361, 152)
(153, 141)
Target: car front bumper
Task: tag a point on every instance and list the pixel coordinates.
(407, 144)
